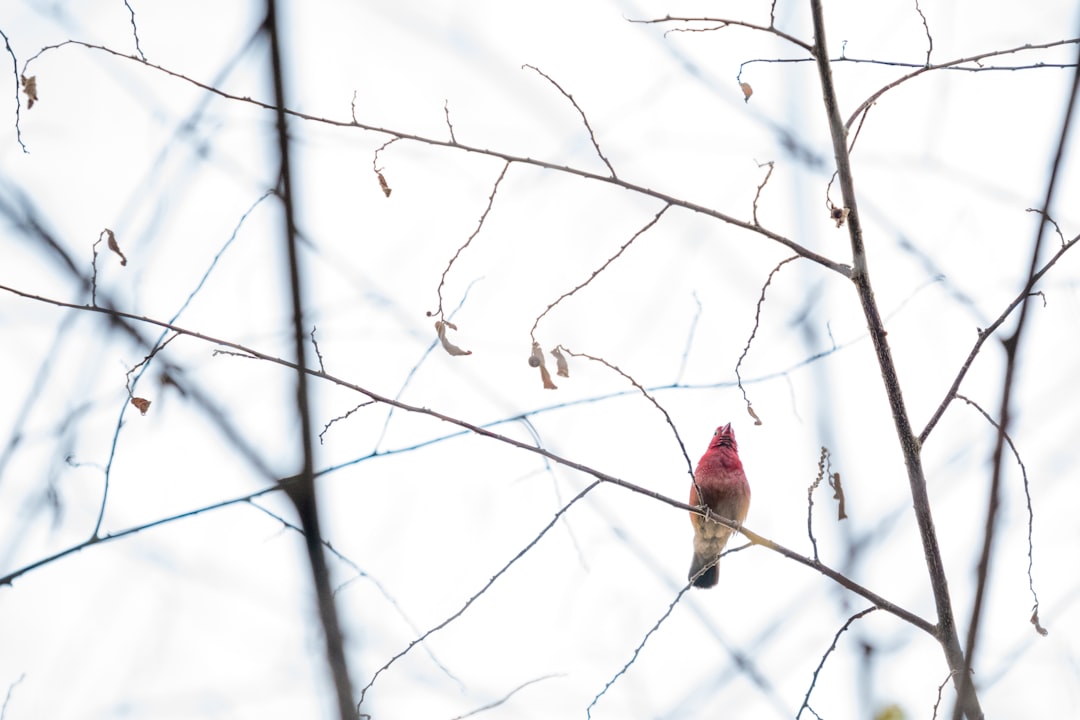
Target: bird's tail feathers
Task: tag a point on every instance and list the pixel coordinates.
(706, 579)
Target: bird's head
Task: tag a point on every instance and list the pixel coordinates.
(724, 437)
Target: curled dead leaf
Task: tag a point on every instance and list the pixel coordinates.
(1035, 621)
(383, 184)
(839, 214)
(449, 347)
(141, 403)
(114, 246)
(838, 494)
(750, 409)
(747, 91)
(536, 359)
(29, 86)
(562, 368)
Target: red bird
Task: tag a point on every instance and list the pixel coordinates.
(720, 477)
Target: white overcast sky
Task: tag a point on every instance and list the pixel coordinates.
(212, 616)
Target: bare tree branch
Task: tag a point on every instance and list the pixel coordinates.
(954, 64)
(836, 638)
(946, 625)
(929, 37)
(505, 698)
(584, 117)
(1031, 512)
(987, 333)
(639, 189)
(834, 575)
(597, 271)
(650, 398)
(645, 639)
(753, 334)
(722, 23)
(7, 697)
(302, 492)
(1012, 346)
(479, 226)
(532, 543)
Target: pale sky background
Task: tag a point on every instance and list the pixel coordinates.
(213, 616)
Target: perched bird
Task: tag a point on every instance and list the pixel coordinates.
(720, 478)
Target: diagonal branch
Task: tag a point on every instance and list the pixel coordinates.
(722, 23)
(584, 117)
(836, 638)
(1012, 347)
(813, 564)
(947, 634)
(597, 271)
(986, 333)
(952, 64)
(805, 252)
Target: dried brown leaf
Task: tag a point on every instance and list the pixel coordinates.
(141, 403)
(536, 360)
(750, 409)
(562, 368)
(449, 347)
(747, 91)
(838, 494)
(29, 86)
(1035, 621)
(839, 214)
(114, 246)
(383, 184)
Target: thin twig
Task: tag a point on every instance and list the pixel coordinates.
(753, 333)
(363, 574)
(18, 100)
(987, 333)
(506, 697)
(834, 575)
(836, 638)
(689, 339)
(810, 499)
(7, 698)
(826, 262)
(641, 645)
(1052, 221)
(315, 347)
(597, 271)
(134, 30)
(415, 368)
(940, 690)
(757, 195)
(1012, 347)
(1039, 65)
(338, 418)
(449, 125)
(584, 117)
(929, 37)
(725, 22)
(1031, 513)
(521, 553)
(479, 226)
(953, 64)
(649, 397)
